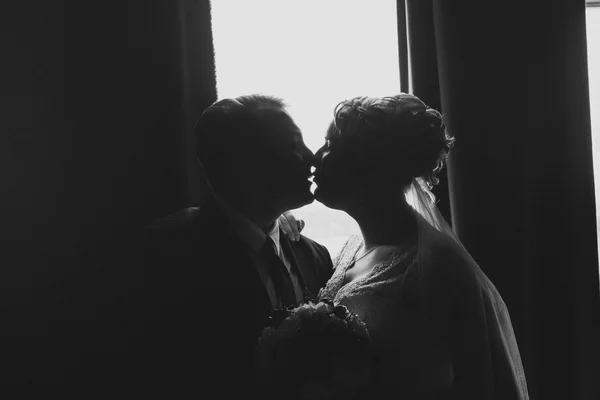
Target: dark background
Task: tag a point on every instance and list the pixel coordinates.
(99, 102)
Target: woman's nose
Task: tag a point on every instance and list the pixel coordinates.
(320, 155)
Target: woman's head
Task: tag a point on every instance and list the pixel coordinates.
(377, 145)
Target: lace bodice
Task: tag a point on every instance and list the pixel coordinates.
(418, 307)
(384, 279)
(432, 315)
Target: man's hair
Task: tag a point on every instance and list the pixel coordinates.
(227, 128)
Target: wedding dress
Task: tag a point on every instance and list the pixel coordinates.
(439, 327)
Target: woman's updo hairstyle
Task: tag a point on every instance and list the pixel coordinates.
(398, 136)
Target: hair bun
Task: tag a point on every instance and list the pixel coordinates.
(400, 134)
(432, 148)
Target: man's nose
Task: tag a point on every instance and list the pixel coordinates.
(308, 156)
(317, 157)
(315, 160)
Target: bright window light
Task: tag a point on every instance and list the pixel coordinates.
(593, 45)
(313, 54)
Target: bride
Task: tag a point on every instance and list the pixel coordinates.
(439, 327)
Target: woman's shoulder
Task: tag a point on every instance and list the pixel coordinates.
(447, 268)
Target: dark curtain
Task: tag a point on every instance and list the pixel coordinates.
(424, 73)
(513, 86)
(101, 101)
(198, 84)
(402, 47)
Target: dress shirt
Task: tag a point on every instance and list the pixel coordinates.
(254, 238)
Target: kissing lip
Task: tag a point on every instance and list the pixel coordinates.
(308, 174)
(316, 175)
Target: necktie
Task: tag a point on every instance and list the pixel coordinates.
(279, 273)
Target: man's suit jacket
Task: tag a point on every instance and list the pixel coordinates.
(196, 304)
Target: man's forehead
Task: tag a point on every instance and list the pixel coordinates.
(281, 121)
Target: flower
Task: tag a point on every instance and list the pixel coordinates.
(305, 311)
(323, 308)
(312, 342)
(341, 311)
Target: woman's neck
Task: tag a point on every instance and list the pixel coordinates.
(384, 223)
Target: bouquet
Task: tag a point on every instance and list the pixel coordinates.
(316, 350)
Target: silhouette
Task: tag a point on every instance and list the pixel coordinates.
(439, 327)
(211, 275)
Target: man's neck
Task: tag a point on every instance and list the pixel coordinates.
(264, 219)
(270, 227)
(266, 223)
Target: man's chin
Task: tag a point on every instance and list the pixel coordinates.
(296, 200)
(305, 199)
(327, 201)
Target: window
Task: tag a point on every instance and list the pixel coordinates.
(313, 54)
(593, 45)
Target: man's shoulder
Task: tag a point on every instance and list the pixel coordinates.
(310, 242)
(189, 218)
(314, 247)
(174, 222)
(316, 258)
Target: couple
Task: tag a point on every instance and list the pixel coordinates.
(213, 274)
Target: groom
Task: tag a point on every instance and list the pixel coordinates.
(211, 275)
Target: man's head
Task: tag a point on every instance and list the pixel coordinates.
(254, 155)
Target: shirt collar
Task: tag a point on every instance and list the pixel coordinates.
(274, 235)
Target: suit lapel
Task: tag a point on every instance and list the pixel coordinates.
(287, 250)
(212, 220)
(301, 265)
